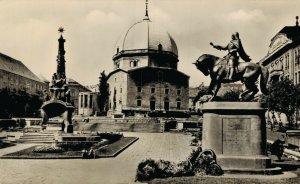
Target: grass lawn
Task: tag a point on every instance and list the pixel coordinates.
(110, 151)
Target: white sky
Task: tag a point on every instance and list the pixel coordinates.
(29, 30)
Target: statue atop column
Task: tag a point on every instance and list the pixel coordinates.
(58, 83)
(59, 102)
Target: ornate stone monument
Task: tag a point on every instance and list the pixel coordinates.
(58, 102)
(236, 131)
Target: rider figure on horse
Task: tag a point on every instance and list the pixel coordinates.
(235, 49)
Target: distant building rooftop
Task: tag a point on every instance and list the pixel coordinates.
(17, 67)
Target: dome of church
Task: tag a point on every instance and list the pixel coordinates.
(146, 35)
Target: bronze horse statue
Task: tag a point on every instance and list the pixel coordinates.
(246, 72)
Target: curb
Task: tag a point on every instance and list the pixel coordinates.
(120, 150)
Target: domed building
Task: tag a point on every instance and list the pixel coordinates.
(145, 77)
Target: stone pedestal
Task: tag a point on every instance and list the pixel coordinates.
(67, 116)
(236, 131)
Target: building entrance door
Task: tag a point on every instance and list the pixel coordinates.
(166, 106)
(152, 105)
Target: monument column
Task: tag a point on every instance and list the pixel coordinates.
(59, 103)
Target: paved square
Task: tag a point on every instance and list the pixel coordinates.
(121, 169)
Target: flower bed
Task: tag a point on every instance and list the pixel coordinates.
(55, 152)
(111, 137)
(48, 149)
(75, 145)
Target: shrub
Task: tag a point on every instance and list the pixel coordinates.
(74, 146)
(184, 168)
(111, 137)
(198, 163)
(150, 169)
(6, 123)
(48, 149)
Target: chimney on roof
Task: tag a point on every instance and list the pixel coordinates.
(297, 23)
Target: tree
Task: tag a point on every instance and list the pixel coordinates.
(103, 90)
(282, 98)
(203, 90)
(18, 103)
(231, 95)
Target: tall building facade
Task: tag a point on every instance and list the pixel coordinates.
(145, 76)
(15, 75)
(283, 57)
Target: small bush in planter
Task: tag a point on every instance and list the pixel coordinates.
(111, 137)
(48, 149)
(74, 146)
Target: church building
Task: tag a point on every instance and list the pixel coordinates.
(145, 78)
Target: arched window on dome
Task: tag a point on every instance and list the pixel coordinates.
(133, 63)
(117, 50)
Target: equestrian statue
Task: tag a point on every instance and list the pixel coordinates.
(228, 70)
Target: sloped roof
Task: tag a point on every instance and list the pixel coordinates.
(292, 32)
(72, 82)
(17, 67)
(42, 78)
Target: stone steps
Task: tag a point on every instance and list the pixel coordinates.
(41, 137)
(119, 127)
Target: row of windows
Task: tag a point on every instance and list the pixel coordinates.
(278, 64)
(26, 86)
(139, 90)
(153, 102)
(84, 101)
(167, 90)
(133, 63)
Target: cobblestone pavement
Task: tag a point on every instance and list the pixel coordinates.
(121, 169)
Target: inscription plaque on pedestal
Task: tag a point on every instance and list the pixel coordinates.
(236, 135)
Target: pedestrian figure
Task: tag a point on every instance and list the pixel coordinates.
(91, 154)
(277, 148)
(84, 153)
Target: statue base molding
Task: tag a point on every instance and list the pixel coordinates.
(236, 132)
